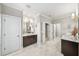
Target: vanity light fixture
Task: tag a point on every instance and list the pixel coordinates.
(74, 17)
(31, 20)
(25, 19)
(75, 14)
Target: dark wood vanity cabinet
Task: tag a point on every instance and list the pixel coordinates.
(28, 40)
(78, 49)
(69, 48)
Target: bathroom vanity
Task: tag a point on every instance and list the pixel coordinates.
(70, 47)
(29, 39)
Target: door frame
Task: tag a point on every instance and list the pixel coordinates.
(44, 30)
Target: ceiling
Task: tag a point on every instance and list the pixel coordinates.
(50, 9)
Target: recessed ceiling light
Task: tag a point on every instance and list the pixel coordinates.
(28, 6)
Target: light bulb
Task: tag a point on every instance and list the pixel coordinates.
(25, 19)
(73, 16)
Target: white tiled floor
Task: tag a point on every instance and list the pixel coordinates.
(50, 48)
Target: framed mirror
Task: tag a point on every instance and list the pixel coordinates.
(28, 25)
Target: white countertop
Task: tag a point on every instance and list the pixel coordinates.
(70, 38)
(28, 34)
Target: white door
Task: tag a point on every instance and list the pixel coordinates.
(11, 34)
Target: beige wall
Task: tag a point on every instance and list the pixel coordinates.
(0, 29)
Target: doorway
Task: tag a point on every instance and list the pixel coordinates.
(47, 31)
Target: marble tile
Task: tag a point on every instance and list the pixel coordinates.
(50, 48)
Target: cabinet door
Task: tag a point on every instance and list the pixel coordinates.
(69, 48)
(28, 40)
(11, 34)
(78, 49)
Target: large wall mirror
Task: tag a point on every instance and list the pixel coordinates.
(28, 25)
